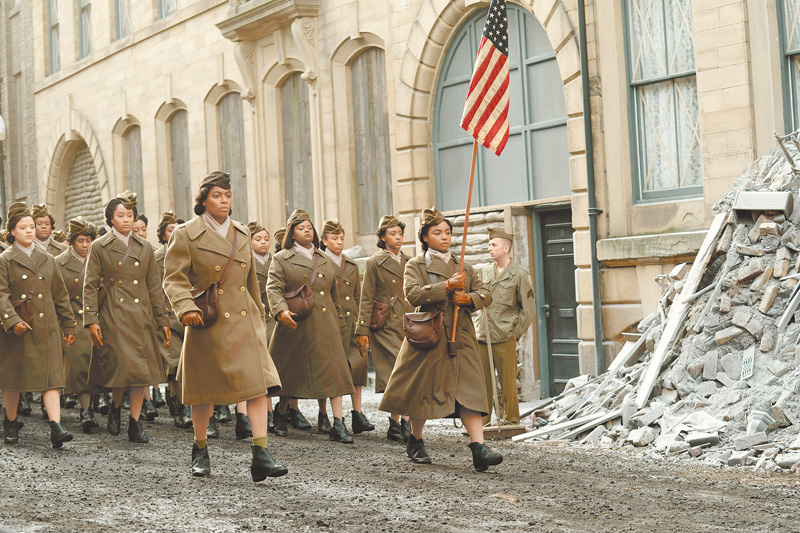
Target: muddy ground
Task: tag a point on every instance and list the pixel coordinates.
(103, 483)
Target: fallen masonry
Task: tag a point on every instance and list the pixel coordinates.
(714, 374)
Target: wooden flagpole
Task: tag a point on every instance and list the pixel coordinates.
(466, 226)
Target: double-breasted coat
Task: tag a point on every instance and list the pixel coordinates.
(133, 309)
(383, 277)
(228, 362)
(262, 272)
(431, 384)
(55, 248)
(349, 285)
(172, 353)
(33, 361)
(310, 359)
(79, 354)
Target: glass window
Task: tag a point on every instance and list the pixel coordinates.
(54, 54)
(122, 18)
(167, 7)
(789, 11)
(230, 118)
(133, 162)
(371, 139)
(178, 133)
(296, 128)
(84, 28)
(665, 133)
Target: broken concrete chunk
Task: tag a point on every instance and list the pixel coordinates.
(695, 368)
(751, 270)
(642, 436)
(779, 368)
(702, 438)
(710, 365)
(770, 294)
(732, 365)
(764, 201)
(796, 444)
(741, 317)
(707, 388)
(781, 268)
(751, 251)
(767, 343)
(727, 334)
(787, 460)
(650, 417)
(768, 228)
(761, 280)
(754, 327)
(748, 441)
(723, 378)
(677, 446)
(739, 458)
(725, 240)
(783, 253)
(755, 231)
(695, 451)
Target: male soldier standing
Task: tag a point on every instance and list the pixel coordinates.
(509, 315)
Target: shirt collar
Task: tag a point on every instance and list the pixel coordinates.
(125, 239)
(305, 252)
(261, 258)
(45, 244)
(443, 256)
(76, 256)
(336, 258)
(27, 251)
(220, 229)
(398, 257)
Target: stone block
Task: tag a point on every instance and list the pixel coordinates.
(650, 417)
(641, 436)
(695, 368)
(761, 280)
(770, 294)
(767, 343)
(781, 268)
(707, 388)
(739, 458)
(754, 327)
(778, 368)
(710, 365)
(695, 451)
(741, 317)
(769, 228)
(783, 253)
(596, 434)
(787, 460)
(755, 231)
(727, 334)
(702, 438)
(677, 446)
(751, 270)
(748, 441)
(725, 304)
(751, 251)
(723, 378)
(732, 364)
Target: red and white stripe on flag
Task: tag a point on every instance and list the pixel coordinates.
(486, 109)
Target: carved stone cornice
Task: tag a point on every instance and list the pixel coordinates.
(304, 31)
(249, 20)
(244, 52)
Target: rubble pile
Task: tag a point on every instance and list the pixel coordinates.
(715, 373)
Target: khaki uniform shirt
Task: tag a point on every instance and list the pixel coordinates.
(511, 312)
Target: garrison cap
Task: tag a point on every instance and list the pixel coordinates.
(167, 218)
(17, 209)
(39, 210)
(388, 221)
(128, 199)
(79, 226)
(298, 215)
(432, 216)
(332, 227)
(499, 233)
(279, 234)
(217, 178)
(255, 227)
(58, 236)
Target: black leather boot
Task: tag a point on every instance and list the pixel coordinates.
(264, 466)
(405, 430)
(360, 423)
(271, 422)
(136, 431)
(157, 398)
(187, 416)
(114, 423)
(11, 430)
(69, 401)
(102, 404)
(243, 429)
(296, 419)
(173, 411)
(338, 432)
(126, 400)
(24, 406)
(222, 413)
(415, 450)
(44, 413)
(483, 457)
(149, 411)
(201, 463)
(58, 435)
(212, 432)
(88, 421)
(323, 423)
(395, 433)
(281, 423)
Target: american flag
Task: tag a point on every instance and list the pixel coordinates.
(486, 110)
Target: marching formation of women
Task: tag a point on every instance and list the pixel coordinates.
(221, 317)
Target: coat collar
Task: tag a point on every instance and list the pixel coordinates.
(386, 261)
(297, 259)
(110, 240)
(70, 262)
(439, 268)
(32, 263)
(508, 273)
(196, 229)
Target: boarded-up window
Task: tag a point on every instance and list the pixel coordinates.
(231, 147)
(296, 129)
(133, 162)
(371, 139)
(178, 128)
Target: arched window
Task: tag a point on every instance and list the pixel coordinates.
(371, 139)
(178, 135)
(230, 121)
(133, 162)
(535, 162)
(296, 130)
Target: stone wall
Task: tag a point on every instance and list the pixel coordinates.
(82, 192)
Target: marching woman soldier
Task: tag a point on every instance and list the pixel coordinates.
(45, 224)
(383, 289)
(72, 264)
(181, 416)
(440, 380)
(123, 307)
(259, 239)
(307, 347)
(31, 357)
(224, 360)
(348, 283)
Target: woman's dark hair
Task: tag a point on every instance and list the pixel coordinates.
(112, 205)
(202, 196)
(143, 218)
(162, 229)
(423, 232)
(12, 224)
(324, 234)
(52, 221)
(72, 237)
(278, 246)
(288, 239)
(101, 232)
(382, 233)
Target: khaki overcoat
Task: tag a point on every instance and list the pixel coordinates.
(228, 362)
(55, 248)
(431, 384)
(133, 309)
(383, 276)
(348, 283)
(79, 354)
(33, 361)
(172, 353)
(310, 359)
(262, 271)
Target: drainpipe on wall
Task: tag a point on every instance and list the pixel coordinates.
(594, 212)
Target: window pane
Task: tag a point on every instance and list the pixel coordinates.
(179, 163)
(647, 39)
(690, 156)
(122, 12)
(133, 162)
(791, 17)
(680, 39)
(166, 7)
(296, 129)
(230, 117)
(85, 28)
(54, 44)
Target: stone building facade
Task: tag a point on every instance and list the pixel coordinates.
(346, 108)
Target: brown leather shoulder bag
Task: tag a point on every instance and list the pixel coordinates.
(381, 311)
(424, 329)
(207, 300)
(24, 307)
(301, 300)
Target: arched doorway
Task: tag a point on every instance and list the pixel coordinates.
(535, 163)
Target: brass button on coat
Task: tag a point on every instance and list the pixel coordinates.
(244, 313)
(320, 275)
(347, 298)
(24, 276)
(242, 288)
(122, 300)
(217, 268)
(41, 315)
(220, 291)
(244, 265)
(136, 263)
(136, 282)
(324, 309)
(348, 313)
(322, 293)
(136, 300)
(39, 296)
(227, 315)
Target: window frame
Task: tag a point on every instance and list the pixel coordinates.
(640, 196)
(791, 101)
(163, 11)
(122, 7)
(53, 37)
(85, 46)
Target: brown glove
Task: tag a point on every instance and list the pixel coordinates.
(455, 283)
(363, 343)
(21, 327)
(287, 319)
(191, 319)
(167, 335)
(69, 339)
(97, 334)
(462, 299)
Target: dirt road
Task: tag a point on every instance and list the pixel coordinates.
(103, 483)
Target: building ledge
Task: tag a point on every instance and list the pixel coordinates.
(252, 19)
(639, 249)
